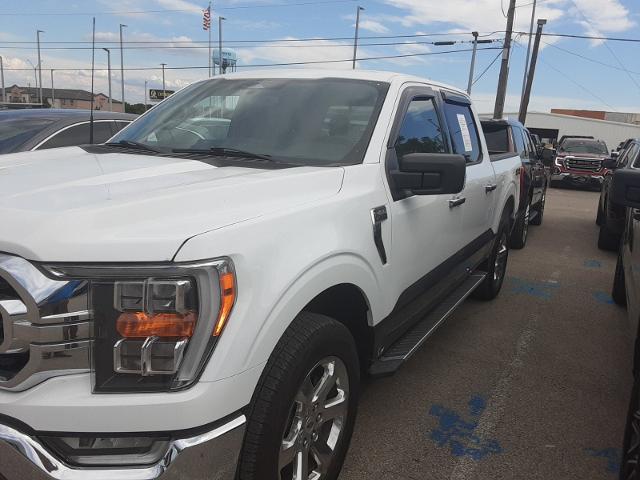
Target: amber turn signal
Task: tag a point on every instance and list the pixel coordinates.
(142, 325)
(227, 299)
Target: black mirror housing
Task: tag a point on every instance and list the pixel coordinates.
(626, 187)
(548, 155)
(610, 163)
(615, 154)
(431, 173)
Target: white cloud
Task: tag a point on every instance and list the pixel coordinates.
(180, 5)
(373, 26)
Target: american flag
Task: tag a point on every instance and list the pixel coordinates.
(206, 18)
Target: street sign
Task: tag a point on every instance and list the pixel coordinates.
(157, 94)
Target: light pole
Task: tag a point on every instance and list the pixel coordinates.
(124, 108)
(220, 69)
(145, 95)
(473, 61)
(526, 63)
(109, 73)
(38, 32)
(164, 91)
(35, 73)
(53, 94)
(4, 94)
(355, 39)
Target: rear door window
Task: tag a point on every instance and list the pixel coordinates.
(463, 131)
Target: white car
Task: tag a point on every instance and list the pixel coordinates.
(198, 299)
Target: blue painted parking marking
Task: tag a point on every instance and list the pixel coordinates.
(603, 297)
(544, 290)
(612, 455)
(592, 264)
(458, 434)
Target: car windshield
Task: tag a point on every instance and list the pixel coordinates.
(15, 132)
(584, 146)
(310, 122)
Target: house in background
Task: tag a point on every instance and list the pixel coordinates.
(60, 98)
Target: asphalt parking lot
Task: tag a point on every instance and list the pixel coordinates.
(533, 385)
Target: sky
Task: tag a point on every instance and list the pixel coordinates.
(571, 73)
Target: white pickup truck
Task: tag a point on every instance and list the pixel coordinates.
(198, 297)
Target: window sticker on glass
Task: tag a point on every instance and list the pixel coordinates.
(464, 130)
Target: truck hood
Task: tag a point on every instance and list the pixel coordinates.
(588, 156)
(69, 205)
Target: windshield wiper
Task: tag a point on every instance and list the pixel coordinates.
(132, 144)
(226, 152)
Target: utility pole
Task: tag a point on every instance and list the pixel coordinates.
(109, 74)
(524, 105)
(164, 91)
(53, 92)
(355, 38)
(473, 61)
(504, 68)
(145, 95)
(526, 63)
(220, 62)
(208, 25)
(38, 32)
(124, 107)
(4, 93)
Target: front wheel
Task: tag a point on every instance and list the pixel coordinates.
(619, 290)
(607, 240)
(304, 407)
(521, 229)
(495, 266)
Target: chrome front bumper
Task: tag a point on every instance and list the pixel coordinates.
(556, 177)
(210, 455)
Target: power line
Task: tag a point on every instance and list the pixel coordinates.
(175, 10)
(231, 45)
(488, 67)
(593, 60)
(284, 64)
(584, 37)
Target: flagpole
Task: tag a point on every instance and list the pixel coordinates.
(210, 71)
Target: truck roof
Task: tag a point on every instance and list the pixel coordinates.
(358, 74)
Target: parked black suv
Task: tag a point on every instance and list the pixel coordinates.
(625, 191)
(510, 136)
(610, 216)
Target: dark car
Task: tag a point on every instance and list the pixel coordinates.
(610, 216)
(626, 292)
(37, 129)
(580, 162)
(510, 136)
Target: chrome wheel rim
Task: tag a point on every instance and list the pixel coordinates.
(525, 229)
(316, 422)
(632, 454)
(500, 265)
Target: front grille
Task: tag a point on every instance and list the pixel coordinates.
(46, 325)
(584, 164)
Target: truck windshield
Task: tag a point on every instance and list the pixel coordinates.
(302, 121)
(582, 146)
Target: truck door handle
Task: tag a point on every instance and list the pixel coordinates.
(456, 202)
(490, 188)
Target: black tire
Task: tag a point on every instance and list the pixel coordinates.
(537, 220)
(599, 215)
(310, 339)
(619, 290)
(521, 230)
(607, 240)
(491, 285)
(630, 466)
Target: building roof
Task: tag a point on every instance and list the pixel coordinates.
(66, 93)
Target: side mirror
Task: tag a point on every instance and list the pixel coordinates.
(548, 155)
(615, 154)
(610, 163)
(431, 173)
(626, 187)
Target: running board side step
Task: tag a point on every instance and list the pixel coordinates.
(405, 347)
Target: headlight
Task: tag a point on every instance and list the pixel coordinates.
(154, 326)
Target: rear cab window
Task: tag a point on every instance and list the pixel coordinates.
(462, 128)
